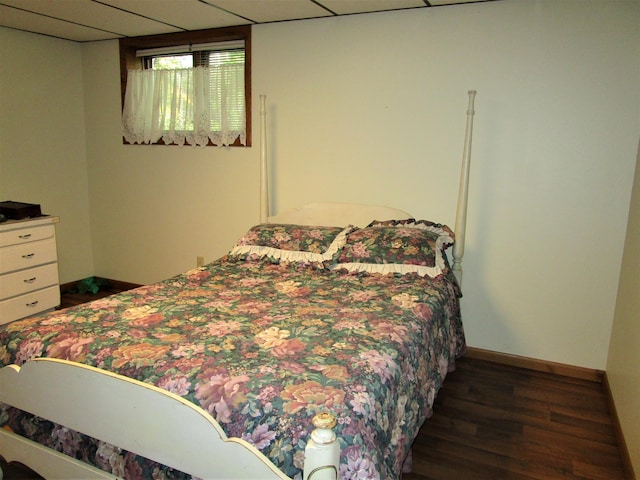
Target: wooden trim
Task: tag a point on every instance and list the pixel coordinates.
(535, 364)
(615, 420)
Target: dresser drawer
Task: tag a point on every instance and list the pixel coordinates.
(24, 281)
(29, 304)
(28, 255)
(26, 234)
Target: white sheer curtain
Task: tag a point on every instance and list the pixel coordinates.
(190, 105)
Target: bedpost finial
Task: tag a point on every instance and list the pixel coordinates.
(324, 420)
(323, 433)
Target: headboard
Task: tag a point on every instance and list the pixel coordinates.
(338, 214)
(342, 214)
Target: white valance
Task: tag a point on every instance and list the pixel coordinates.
(189, 105)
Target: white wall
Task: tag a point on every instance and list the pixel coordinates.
(370, 108)
(155, 208)
(42, 139)
(624, 355)
(556, 132)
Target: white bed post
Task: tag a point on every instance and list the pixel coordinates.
(264, 178)
(322, 454)
(463, 192)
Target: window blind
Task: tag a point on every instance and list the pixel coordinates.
(198, 47)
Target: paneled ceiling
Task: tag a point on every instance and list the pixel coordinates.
(91, 20)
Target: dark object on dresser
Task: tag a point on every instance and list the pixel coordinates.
(19, 210)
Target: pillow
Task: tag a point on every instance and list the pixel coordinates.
(397, 246)
(283, 243)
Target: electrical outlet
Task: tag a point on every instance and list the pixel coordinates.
(199, 261)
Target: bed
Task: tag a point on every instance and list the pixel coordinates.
(313, 350)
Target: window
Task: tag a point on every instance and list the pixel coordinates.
(200, 83)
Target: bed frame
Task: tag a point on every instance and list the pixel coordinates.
(95, 401)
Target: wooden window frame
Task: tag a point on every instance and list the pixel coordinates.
(129, 61)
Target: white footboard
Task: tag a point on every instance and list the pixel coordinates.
(135, 416)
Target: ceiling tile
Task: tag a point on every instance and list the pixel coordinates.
(89, 20)
(451, 2)
(94, 14)
(261, 11)
(32, 22)
(186, 14)
(344, 7)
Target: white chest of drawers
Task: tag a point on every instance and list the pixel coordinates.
(28, 267)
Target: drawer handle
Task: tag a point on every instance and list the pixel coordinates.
(29, 280)
(28, 255)
(32, 304)
(25, 236)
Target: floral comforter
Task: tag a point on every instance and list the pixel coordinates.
(263, 347)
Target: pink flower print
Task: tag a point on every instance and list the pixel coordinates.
(261, 437)
(317, 234)
(358, 466)
(110, 459)
(67, 439)
(280, 236)
(380, 364)
(70, 348)
(178, 385)
(219, 394)
(359, 250)
(362, 403)
(397, 333)
(422, 311)
(221, 328)
(267, 394)
(29, 349)
(250, 238)
(288, 348)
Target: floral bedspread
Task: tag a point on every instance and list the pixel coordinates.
(263, 347)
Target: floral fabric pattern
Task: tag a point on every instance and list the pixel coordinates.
(263, 347)
(399, 246)
(291, 237)
(291, 243)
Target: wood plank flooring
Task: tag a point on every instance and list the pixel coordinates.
(493, 421)
(70, 294)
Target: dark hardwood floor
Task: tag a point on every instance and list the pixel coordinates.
(74, 293)
(494, 421)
